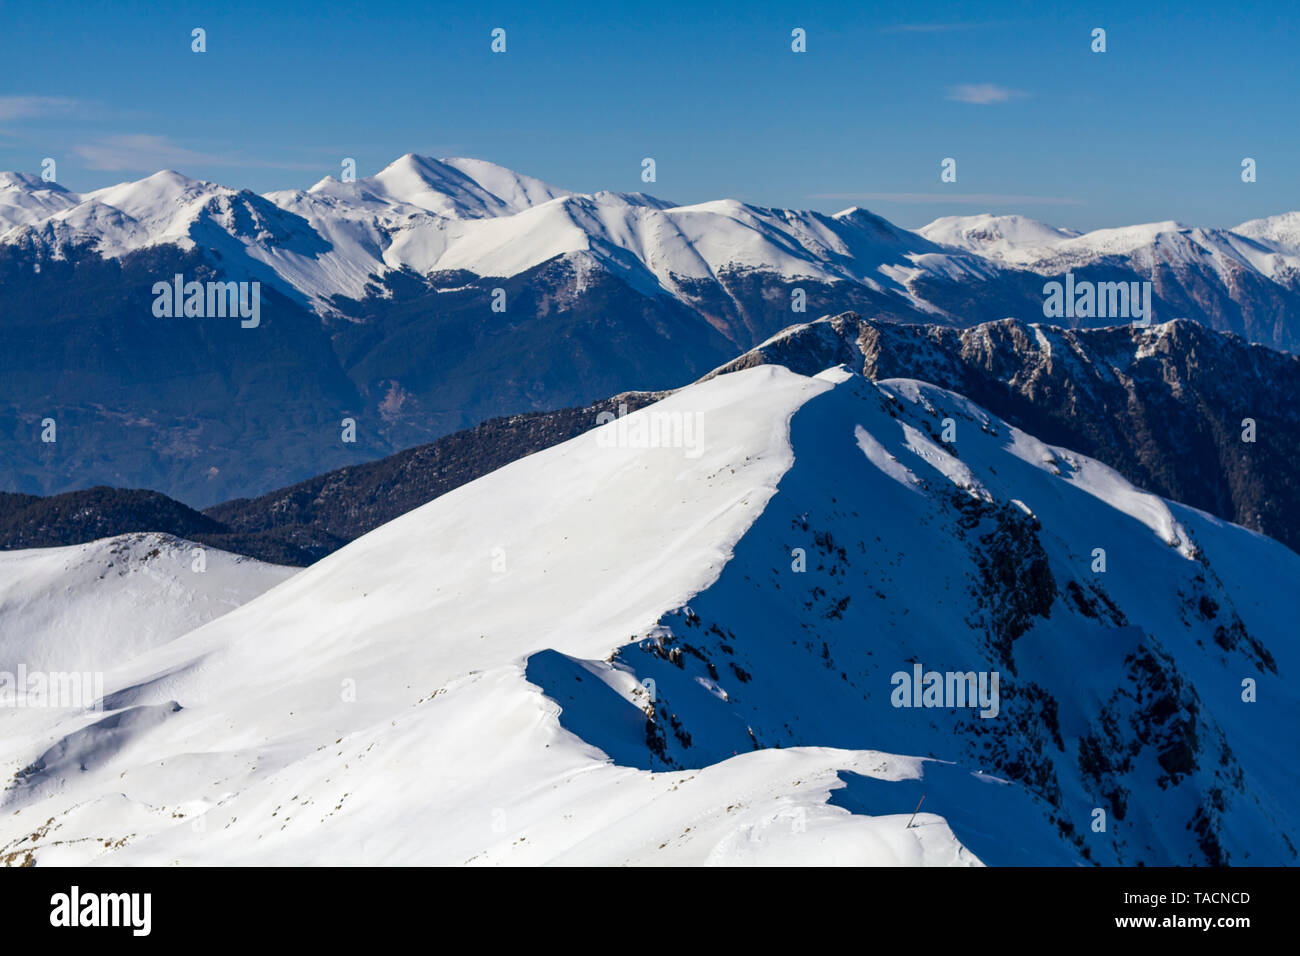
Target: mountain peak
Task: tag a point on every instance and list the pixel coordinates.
(27, 181)
(1282, 231)
(413, 163)
(994, 236)
(164, 183)
(461, 188)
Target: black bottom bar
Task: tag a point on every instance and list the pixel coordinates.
(978, 907)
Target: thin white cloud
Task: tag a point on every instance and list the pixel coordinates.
(141, 151)
(137, 151)
(932, 27)
(33, 107)
(983, 93)
(957, 199)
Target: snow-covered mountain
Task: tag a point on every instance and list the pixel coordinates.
(683, 649)
(1279, 233)
(1269, 246)
(1242, 280)
(464, 214)
(25, 198)
(1165, 405)
(1173, 244)
(437, 294)
(343, 239)
(995, 237)
(87, 607)
(1153, 403)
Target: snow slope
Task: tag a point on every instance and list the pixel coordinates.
(57, 605)
(26, 198)
(447, 753)
(1121, 690)
(465, 684)
(1283, 230)
(997, 237)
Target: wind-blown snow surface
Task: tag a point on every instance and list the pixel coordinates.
(463, 685)
(58, 605)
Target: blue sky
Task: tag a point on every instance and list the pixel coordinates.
(1153, 129)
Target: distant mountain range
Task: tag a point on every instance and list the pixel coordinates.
(377, 304)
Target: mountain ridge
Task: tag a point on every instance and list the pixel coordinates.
(576, 670)
(1165, 406)
(1171, 436)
